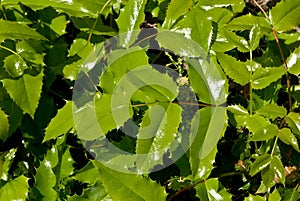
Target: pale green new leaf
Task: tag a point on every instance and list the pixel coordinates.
(263, 77)
(135, 187)
(236, 70)
(285, 15)
(25, 91)
(129, 20)
(254, 198)
(272, 111)
(260, 163)
(59, 24)
(205, 166)
(205, 134)
(293, 62)
(293, 120)
(4, 128)
(210, 190)
(16, 30)
(61, 123)
(175, 9)
(286, 136)
(265, 133)
(157, 132)
(275, 195)
(16, 189)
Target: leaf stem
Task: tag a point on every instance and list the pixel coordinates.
(3, 11)
(10, 50)
(251, 83)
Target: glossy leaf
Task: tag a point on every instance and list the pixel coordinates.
(59, 25)
(175, 9)
(255, 123)
(263, 77)
(234, 69)
(205, 134)
(208, 81)
(286, 136)
(265, 133)
(135, 187)
(25, 91)
(277, 166)
(15, 30)
(275, 195)
(16, 189)
(238, 41)
(209, 190)
(61, 123)
(254, 37)
(236, 5)
(260, 163)
(285, 15)
(293, 62)
(15, 65)
(272, 111)
(130, 18)
(293, 120)
(254, 198)
(157, 132)
(4, 125)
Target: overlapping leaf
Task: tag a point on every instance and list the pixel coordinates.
(4, 125)
(16, 189)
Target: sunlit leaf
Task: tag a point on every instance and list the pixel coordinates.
(286, 136)
(293, 62)
(16, 189)
(4, 125)
(272, 111)
(61, 123)
(263, 77)
(25, 91)
(254, 37)
(260, 163)
(285, 15)
(293, 120)
(175, 9)
(59, 25)
(234, 69)
(246, 22)
(15, 65)
(135, 187)
(265, 133)
(238, 41)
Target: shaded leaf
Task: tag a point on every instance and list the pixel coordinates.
(25, 91)
(61, 123)
(175, 9)
(285, 15)
(263, 77)
(16, 189)
(135, 187)
(236, 70)
(286, 136)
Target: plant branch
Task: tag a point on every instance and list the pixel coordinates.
(185, 189)
(288, 82)
(10, 50)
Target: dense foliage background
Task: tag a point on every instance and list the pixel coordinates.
(246, 147)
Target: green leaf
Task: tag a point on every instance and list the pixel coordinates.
(200, 27)
(183, 47)
(238, 41)
(238, 110)
(209, 190)
(254, 123)
(157, 132)
(286, 136)
(25, 91)
(59, 24)
(290, 195)
(16, 30)
(277, 166)
(285, 15)
(130, 19)
(208, 81)
(254, 37)
(236, 70)
(135, 187)
(205, 134)
(293, 62)
(61, 123)
(293, 120)
(263, 77)
(4, 125)
(246, 22)
(254, 198)
(237, 5)
(16, 189)
(272, 111)
(175, 9)
(66, 167)
(15, 65)
(88, 174)
(260, 163)
(265, 133)
(275, 195)
(44, 183)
